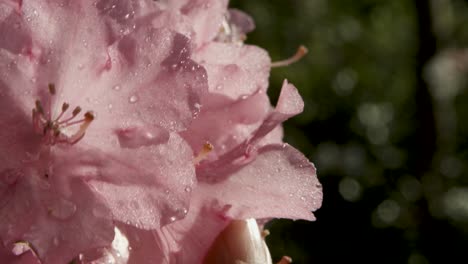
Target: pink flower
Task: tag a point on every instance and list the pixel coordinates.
(114, 164)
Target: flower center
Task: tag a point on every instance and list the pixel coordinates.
(60, 129)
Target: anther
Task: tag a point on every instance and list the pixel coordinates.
(89, 116)
(65, 107)
(58, 130)
(301, 52)
(39, 108)
(76, 111)
(52, 88)
(207, 148)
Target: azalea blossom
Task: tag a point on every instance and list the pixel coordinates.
(136, 131)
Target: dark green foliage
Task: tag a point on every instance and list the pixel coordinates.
(384, 123)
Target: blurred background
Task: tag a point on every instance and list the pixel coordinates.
(385, 122)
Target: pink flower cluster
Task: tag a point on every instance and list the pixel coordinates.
(134, 131)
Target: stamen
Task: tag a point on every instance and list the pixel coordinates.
(89, 116)
(39, 108)
(76, 111)
(53, 130)
(52, 88)
(207, 148)
(301, 52)
(64, 109)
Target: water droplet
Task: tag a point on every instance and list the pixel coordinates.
(127, 16)
(133, 99)
(303, 198)
(219, 87)
(188, 189)
(134, 137)
(116, 87)
(62, 209)
(172, 219)
(56, 241)
(110, 106)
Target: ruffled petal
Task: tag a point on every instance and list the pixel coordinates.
(289, 104)
(234, 70)
(205, 16)
(56, 227)
(284, 179)
(237, 103)
(146, 186)
(243, 22)
(191, 237)
(225, 123)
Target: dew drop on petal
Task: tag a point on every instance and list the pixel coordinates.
(116, 87)
(133, 99)
(134, 137)
(56, 241)
(62, 209)
(188, 189)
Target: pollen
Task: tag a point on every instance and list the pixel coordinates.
(207, 148)
(60, 129)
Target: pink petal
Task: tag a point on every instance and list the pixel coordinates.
(146, 186)
(289, 104)
(225, 123)
(57, 228)
(205, 15)
(190, 238)
(241, 20)
(280, 182)
(146, 246)
(235, 70)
